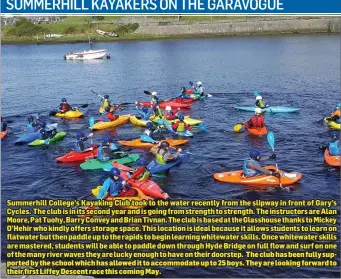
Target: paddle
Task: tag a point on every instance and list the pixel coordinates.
(256, 93)
(201, 127)
(91, 122)
(97, 94)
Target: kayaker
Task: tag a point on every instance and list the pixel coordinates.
(181, 126)
(164, 153)
(259, 103)
(105, 101)
(257, 120)
(113, 185)
(37, 122)
(169, 115)
(335, 116)
(108, 116)
(105, 151)
(252, 167)
(158, 112)
(145, 113)
(200, 89)
(81, 138)
(155, 99)
(153, 131)
(64, 106)
(30, 127)
(3, 125)
(334, 145)
(46, 134)
(184, 94)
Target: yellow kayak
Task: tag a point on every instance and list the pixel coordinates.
(188, 121)
(138, 122)
(70, 114)
(104, 125)
(332, 124)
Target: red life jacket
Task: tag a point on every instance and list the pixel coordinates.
(65, 107)
(170, 116)
(257, 121)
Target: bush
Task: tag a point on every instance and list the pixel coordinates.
(24, 27)
(127, 28)
(99, 17)
(70, 30)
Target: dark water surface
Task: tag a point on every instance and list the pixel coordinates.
(298, 71)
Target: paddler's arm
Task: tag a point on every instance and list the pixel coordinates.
(258, 167)
(103, 192)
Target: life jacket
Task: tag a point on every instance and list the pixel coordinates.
(106, 103)
(155, 100)
(104, 117)
(30, 128)
(181, 127)
(249, 172)
(64, 107)
(260, 104)
(159, 158)
(335, 113)
(200, 90)
(170, 116)
(115, 186)
(102, 157)
(80, 146)
(334, 149)
(257, 121)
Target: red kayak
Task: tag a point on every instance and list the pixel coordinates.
(183, 101)
(79, 156)
(148, 187)
(167, 103)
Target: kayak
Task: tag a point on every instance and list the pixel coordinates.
(333, 161)
(237, 177)
(132, 194)
(164, 104)
(270, 109)
(104, 125)
(95, 164)
(154, 167)
(332, 124)
(183, 134)
(198, 97)
(138, 143)
(70, 114)
(57, 137)
(188, 121)
(183, 101)
(148, 187)
(75, 156)
(256, 131)
(3, 134)
(138, 122)
(35, 135)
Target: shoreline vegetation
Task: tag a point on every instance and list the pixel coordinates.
(81, 29)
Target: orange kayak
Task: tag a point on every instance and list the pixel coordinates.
(138, 143)
(3, 134)
(237, 177)
(333, 161)
(256, 131)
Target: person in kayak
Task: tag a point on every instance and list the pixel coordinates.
(334, 145)
(145, 113)
(81, 138)
(3, 124)
(108, 116)
(335, 116)
(252, 167)
(155, 99)
(46, 134)
(181, 126)
(36, 124)
(184, 94)
(200, 89)
(64, 106)
(30, 124)
(154, 132)
(105, 101)
(259, 103)
(169, 115)
(164, 154)
(113, 185)
(257, 120)
(106, 151)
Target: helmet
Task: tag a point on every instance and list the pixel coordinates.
(338, 106)
(30, 118)
(334, 135)
(149, 125)
(106, 96)
(80, 135)
(164, 145)
(43, 124)
(154, 93)
(181, 118)
(142, 162)
(64, 100)
(107, 139)
(107, 109)
(259, 98)
(258, 110)
(199, 83)
(254, 154)
(145, 109)
(168, 108)
(114, 172)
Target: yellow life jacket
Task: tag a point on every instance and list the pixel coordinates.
(159, 159)
(145, 176)
(181, 127)
(106, 103)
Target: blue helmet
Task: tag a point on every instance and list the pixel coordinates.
(106, 96)
(64, 100)
(107, 109)
(181, 118)
(80, 135)
(43, 124)
(149, 125)
(145, 109)
(334, 135)
(114, 172)
(254, 154)
(107, 139)
(30, 118)
(141, 162)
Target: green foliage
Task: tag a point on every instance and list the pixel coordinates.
(127, 28)
(70, 30)
(24, 27)
(99, 17)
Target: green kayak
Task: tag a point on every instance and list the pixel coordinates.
(95, 164)
(57, 137)
(197, 96)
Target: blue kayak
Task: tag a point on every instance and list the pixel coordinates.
(184, 133)
(28, 138)
(154, 167)
(270, 109)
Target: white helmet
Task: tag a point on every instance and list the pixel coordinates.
(199, 83)
(259, 98)
(154, 93)
(168, 108)
(258, 110)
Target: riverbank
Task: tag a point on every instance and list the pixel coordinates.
(138, 28)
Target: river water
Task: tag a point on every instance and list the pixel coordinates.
(299, 71)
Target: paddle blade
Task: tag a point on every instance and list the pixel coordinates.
(84, 106)
(256, 93)
(107, 167)
(202, 127)
(147, 92)
(191, 83)
(91, 121)
(237, 128)
(145, 138)
(271, 140)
